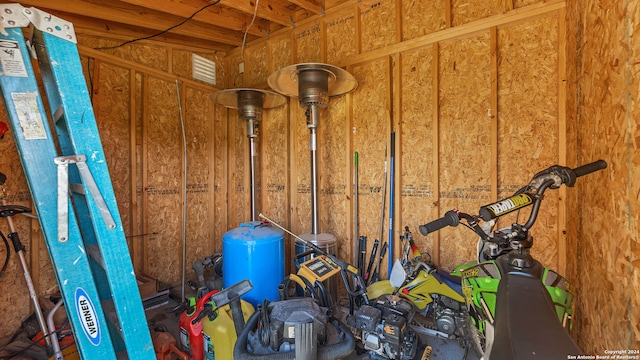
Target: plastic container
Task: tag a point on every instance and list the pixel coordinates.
(254, 251)
(219, 335)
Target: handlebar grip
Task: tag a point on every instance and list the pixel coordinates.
(589, 168)
(450, 218)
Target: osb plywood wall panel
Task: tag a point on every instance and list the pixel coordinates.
(163, 187)
(155, 57)
(218, 155)
(377, 24)
(341, 36)
(528, 130)
(464, 98)
(274, 141)
(608, 249)
(301, 171)
(634, 261)
(307, 43)
(371, 130)
(463, 11)
(416, 147)
(280, 50)
(239, 176)
(113, 82)
(198, 118)
(255, 65)
(422, 17)
(333, 141)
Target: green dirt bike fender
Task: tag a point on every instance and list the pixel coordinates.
(480, 286)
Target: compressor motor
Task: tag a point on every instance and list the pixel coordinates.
(384, 328)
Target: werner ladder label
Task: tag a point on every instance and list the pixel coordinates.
(85, 237)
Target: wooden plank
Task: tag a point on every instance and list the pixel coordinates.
(120, 12)
(313, 6)
(144, 159)
(562, 141)
(358, 27)
(494, 115)
(398, 21)
(435, 126)
(135, 230)
(218, 15)
(270, 11)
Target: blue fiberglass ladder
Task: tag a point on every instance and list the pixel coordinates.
(83, 231)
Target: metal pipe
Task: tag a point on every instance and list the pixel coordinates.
(252, 160)
(356, 231)
(312, 125)
(57, 353)
(19, 248)
(184, 195)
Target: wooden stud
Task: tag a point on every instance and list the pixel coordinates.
(145, 176)
(134, 210)
(562, 140)
(398, 21)
(358, 24)
(323, 40)
(494, 118)
(436, 145)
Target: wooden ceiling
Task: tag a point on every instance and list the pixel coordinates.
(218, 25)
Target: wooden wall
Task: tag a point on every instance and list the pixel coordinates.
(608, 247)
(480, 95)
(452, 93)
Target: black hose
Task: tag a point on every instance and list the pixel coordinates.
(326, 352)
(6, 260)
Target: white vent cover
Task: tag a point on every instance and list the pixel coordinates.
(203, 69)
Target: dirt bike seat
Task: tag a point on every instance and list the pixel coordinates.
(526, 323)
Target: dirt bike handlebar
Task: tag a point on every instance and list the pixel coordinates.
(450, 218)
(552, 177)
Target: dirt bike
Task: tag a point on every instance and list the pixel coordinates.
(435, 294)
(520, 308)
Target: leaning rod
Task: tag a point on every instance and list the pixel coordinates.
(184, 195)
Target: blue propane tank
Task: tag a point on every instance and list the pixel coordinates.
(254, 251)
